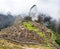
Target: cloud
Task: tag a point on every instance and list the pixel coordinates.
(50, 7)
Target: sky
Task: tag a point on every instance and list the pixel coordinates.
(50, 7)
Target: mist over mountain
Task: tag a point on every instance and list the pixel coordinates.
(6, 20)
(51, 7)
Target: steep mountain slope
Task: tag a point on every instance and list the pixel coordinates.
(6, 20)
(30, 33)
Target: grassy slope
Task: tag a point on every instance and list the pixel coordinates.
(4, 44)
(58, 39)
(29, 26)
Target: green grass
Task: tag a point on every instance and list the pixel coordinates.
(4, 44)
(9, 47)
(58, 39)
(29, 26)
(1, 33)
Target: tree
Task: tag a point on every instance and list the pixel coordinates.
(40, 19)
(27, 18)
(59, 27)
(52, 25)
(47, 19)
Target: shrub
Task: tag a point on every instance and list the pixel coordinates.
(27, 18)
